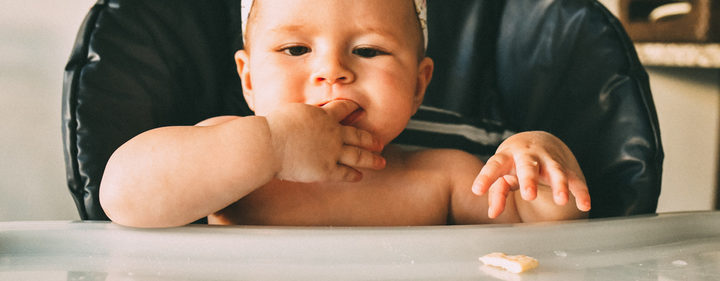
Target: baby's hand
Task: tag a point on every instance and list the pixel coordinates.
(312, 145)
(525, 160)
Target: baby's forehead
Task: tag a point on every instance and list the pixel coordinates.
(250, 11)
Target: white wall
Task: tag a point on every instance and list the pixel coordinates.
(688, 102)
(36, 37)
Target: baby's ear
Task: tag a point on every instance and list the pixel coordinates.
(243, 69)
(425, 71)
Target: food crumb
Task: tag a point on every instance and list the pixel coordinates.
(514, 264)
(679, 263)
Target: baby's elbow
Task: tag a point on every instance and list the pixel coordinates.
(118, 207)
(123, 210)
(112, 204)
(126, 216)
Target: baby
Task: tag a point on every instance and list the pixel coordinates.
(331, 84)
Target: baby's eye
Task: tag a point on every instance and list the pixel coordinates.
(368, 52)
(296, 50)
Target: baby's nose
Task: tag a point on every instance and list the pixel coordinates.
(333, 69)
(331, 79)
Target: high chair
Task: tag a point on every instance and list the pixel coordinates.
(501, 67)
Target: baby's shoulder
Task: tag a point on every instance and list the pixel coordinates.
(217, 120)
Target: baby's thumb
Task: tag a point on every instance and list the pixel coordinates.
(340, 109)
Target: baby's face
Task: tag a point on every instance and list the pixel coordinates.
(316, 51)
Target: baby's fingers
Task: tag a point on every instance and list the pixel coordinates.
(345, 174)
(359, 158)
(579, 189)
(497, 166)
(527, 169)
(559, 182)
(362, 139)
(352, 158)
(498, 194)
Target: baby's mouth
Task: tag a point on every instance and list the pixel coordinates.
(353, 117)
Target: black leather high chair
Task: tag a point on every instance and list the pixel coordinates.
(561, 66)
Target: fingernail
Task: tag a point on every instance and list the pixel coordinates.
(562, 196)
(380, 162)
(491, 214)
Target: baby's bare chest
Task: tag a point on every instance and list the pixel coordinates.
(390, 198)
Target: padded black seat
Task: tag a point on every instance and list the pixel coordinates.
(562, 66)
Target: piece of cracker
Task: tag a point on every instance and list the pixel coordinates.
(514, 264)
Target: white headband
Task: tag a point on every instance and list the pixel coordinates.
(420, 8)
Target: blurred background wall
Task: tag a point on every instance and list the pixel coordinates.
(36, 37)
(688, 103)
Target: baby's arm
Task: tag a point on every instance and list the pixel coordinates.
(527, 162)
(175, 175)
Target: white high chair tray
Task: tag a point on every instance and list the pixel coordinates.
(678, 246)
